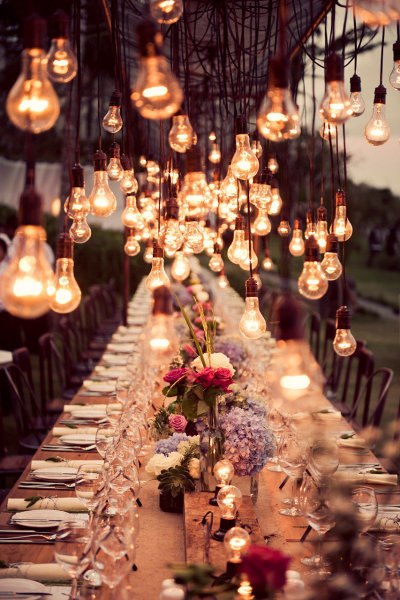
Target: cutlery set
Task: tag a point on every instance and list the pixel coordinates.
(65, 448)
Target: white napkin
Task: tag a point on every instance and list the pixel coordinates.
(41, 572)
(73, 408)
(104, 387)
(53, 503)
(372, 478)
(131, 338)
(59, 431)
(113, 360)
(43, 464)
(110, 373)
(121, 348)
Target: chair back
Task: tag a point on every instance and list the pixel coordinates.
(52, 369)
(371, 401)
(24, 404)
(315, 334)
(22, 358)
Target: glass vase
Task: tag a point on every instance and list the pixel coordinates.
(211, 448)
(254, 487)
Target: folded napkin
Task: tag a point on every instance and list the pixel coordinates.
(99, 386)
(110, 373)
(41, 572)
(43, 464)
(327, 414)
(121, 348)
(59, 431)
(113, 360)
(53, 503)
(126, 337)
(351, 442)
(372, 478)
(75, 408)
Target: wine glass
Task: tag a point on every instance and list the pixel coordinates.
(323, 460)
(114, 552)
(89, 480)
(104, 438)
(277, 423)
(72, 549)
(365, 507)
(292, 458)
(390, 560)
(114, 410)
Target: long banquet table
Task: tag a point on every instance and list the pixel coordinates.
(161, 537)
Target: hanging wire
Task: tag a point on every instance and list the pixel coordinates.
(382, 49)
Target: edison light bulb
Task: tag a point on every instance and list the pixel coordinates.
(357, 103)
(377, 131)
(273, 165)
(166, 11)
(344, 343)
(278, 117)
(67, 294)
(157, 276)
(267, 263)
(128, 183)
(229, 185)
(61, 61)
(284, 228)
(102, 200)
(311, 229)
(115, 170)
(256, 147)
(244, 162)
(335, 105)
(229, 501)
(296, 246)
(276, 203)
(27, 279)
(322, 228)
(312, 281)
(223, 280)
(80, 231)
(32, 104)
(237, 250)
(171, 237)
(132, 246)
(216, 262)
(341, 225)
(262, 224)
(180, 137)
(148, 252)
(180, 268)
(261, 196)
(156, 92)
(215, 155)
(394, 77)
(252, 324)
(131, 216)
(194, 236)
(327, 130)
(223, 472)
(331, 265)
(236, 542)
(245, 262)
(112, 121)
(77, 204)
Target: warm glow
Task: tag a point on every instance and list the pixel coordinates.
(295, 382)
(26, 286)
(156, 91)
(33, 104)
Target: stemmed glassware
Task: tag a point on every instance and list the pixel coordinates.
(105, 437)
(365, 507)
(72, 550)
(323, 459)
(292, 457)
(278, 424)
(89, 480)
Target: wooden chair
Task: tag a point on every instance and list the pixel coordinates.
(329, 356)
(54, 391)
(10, 464)
(369, 407)
(315, 334)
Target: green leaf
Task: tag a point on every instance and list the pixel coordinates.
(32, 500)
(72, 426)
(55, 459)
(347, 436)
(189, 408)
(192, 333)
(202, 408)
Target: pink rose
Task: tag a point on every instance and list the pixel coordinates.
(265, 568)
(177, 423)
(174, 375)
(209, 377)
(205, 377)
(207, 307)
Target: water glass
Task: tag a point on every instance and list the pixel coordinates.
(365, 507)
(72, 549)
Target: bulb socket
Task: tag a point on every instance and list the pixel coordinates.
(274, 183)
(396, 50)
(224, 526)
(340, 198)
(162, 301)
(289, 315)
(380, 95)
(30, 207)
(310, 216)
(232, 568)
(343, 318)
(149, 38)
(115, 99)
(65, 246)
(126, 162)
(241, 125)
(278, 73)
(239, 223)
(59, 25)
(321, 213)
(296, 224)
(311, 252)
(78, 176)
(334, 70)
(217, 249)
(332, 243)
(115, 150)
(172, 208)
(158, 252)
(100, 161)
(193, 160)
(251, 288)
(355, 83)
(34, 32)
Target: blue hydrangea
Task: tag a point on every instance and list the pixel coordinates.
(170, 444)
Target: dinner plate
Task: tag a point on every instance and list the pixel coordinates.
(78, 439)
(40, 519)
(55, 474)
(121, 348)
(16, 585)
(89, 413)
(115, 361)
(99, 386)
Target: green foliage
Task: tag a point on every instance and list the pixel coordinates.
(32, 500)
(200, 581)
(175, 481)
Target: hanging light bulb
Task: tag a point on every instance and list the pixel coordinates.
(148, 252)
(166, 11)
(252, 325)
(142, 161)
(212, 137)
(245, 263)
(61, 61)
(244, 163)
(216, 263)
(153, 169)
(344, 343)
(223, 280)
(296, 246)
(77, 204)
(236, 542)
(157, 275)
(160, 331)
(272, 164)
(128, 183)
(67, 294)
(262, 224)
(156, 92)
(194, 236)
(256, 145)
(284, 228)
(261, 196)
(257, 279)
(80, 231)
(276, 202)
(115, 170)
(341, 225)
(209, 238)
(376, 13)
(331, 265)
(394, 77)
(335, 105)
(102, 201)
(32, 104)
(180, 268)
(322, 228)
(229, 186)
(171, 174)
(327, 129)
(278, 117)
(26, 282)
(132, 246)
(377, 131)
(195, 193)
(170, 237)
(215, 155)
(180, 137)
(112, 121)
(131, 216)
(357, 103)
(312, 281)
(267, 263)
(311, 229)
(237, 251)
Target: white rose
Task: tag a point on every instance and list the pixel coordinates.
(194, 468)
(217, 361)
(202, 296)
(196, 288)
(158, 462)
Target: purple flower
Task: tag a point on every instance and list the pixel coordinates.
(170, 444)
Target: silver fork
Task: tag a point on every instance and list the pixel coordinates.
(34, 484)
(49, 537)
